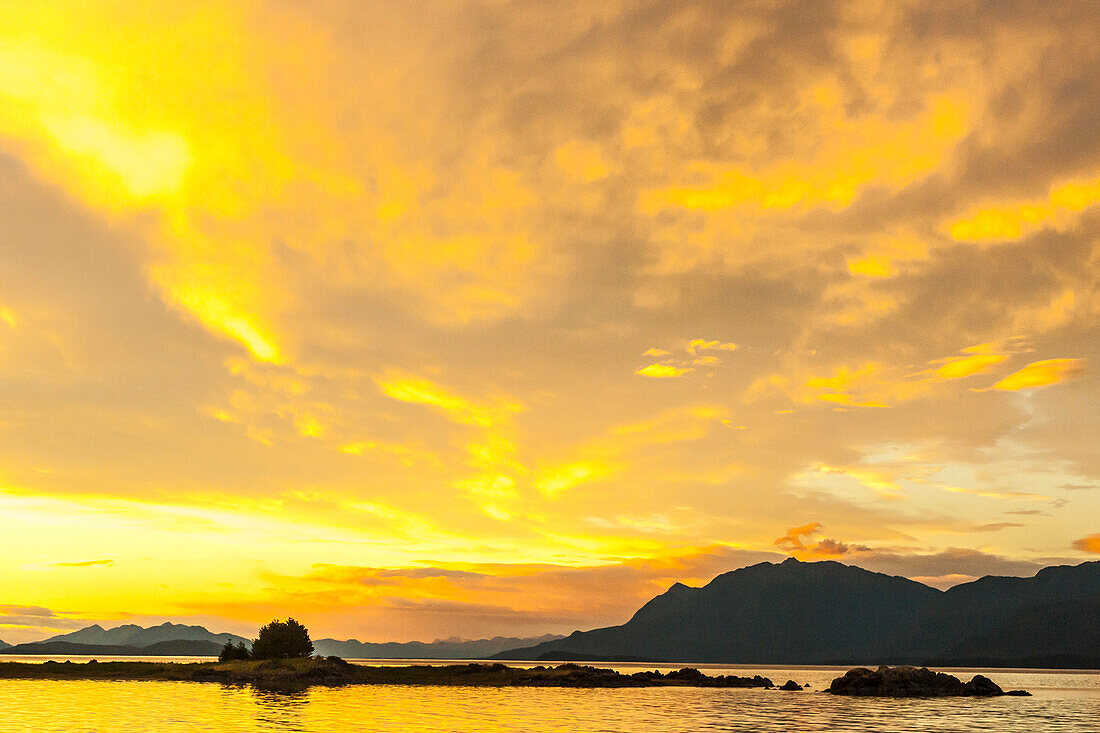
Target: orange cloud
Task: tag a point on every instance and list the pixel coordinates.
(1088, 544)
(797, 542)
(1042, 374)
(793, 540)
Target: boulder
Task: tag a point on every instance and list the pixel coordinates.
(790, 686)
(911, 682)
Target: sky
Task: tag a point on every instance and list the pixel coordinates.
(415, 320)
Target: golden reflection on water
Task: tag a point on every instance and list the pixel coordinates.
(1070, 703)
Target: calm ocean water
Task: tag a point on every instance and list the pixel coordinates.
(1063, 701)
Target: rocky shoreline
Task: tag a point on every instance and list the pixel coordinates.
(332, 671)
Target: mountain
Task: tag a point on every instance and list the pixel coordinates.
(830, 613)
(169, 648)
(449, 649)
(133, 635)
(178, 640)
(3, 644)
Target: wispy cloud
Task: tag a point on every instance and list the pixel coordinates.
(1042, 374)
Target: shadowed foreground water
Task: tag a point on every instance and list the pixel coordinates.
(1063, 702)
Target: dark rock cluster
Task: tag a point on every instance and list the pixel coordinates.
(578, 675)
(912, 682)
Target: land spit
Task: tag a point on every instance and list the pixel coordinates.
(332, 671)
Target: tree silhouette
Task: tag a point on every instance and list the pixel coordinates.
(230, 652)
(282, 640)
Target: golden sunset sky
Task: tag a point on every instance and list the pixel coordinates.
(428, 319)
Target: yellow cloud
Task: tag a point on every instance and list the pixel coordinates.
(422, 391)
(871, 266)
(1088, 544)
(1012, 221)
(849, 401)
(968, 366)
(663, 371)
(857, 152)
(696, 345)
(878, 384)
(210, 129)
(1042, 374)
(555, 480)
(881, 484)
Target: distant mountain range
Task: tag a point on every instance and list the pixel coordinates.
(170, 648)
(196, 641)
(137, 636)
(829, 613)
(450, 649)
(3, 644)
(165, 640)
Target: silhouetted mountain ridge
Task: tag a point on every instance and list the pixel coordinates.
(137, 636)
(441, 649)
(169, 648)
(827, 612)
(170, 639)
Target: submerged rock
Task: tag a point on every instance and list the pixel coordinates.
(912, 682)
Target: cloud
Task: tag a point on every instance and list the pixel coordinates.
(489, 599)
(82, 564)
(422, 391)
(1077, 487)
(1090, 543)
(995, 526)
(1042, 374)
(1060, 208)
(258, 308)
(797, 541)
(663, 371)
(696, 345)
(953, 565)
(27, 623)
(793, 540)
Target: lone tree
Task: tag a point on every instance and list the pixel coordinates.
(282, 640)
(231, 653)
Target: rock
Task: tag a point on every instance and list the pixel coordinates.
(911, 682)
(790, 686)
(1018, 693)
(983, 686)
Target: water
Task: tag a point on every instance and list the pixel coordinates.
(1063, 701)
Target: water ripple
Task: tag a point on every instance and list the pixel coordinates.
(1067, 702)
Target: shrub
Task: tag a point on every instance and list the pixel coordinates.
(282, 640)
